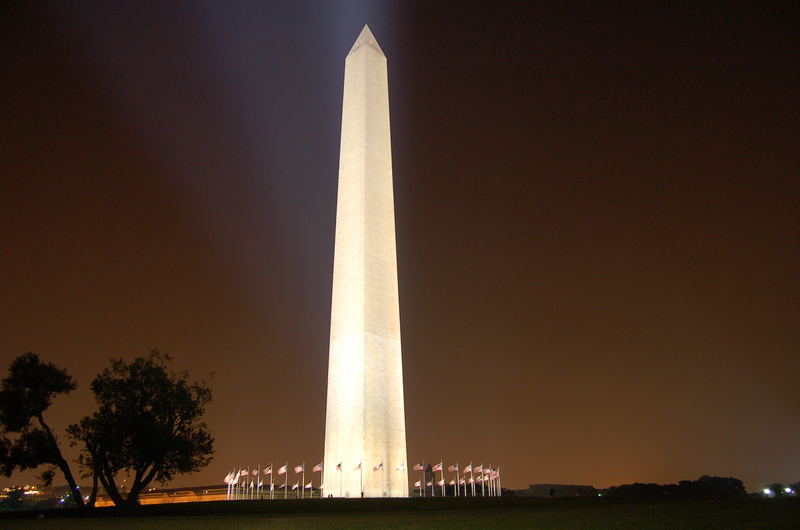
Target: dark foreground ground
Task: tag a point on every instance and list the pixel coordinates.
(432, 513)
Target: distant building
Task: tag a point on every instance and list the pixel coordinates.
(558, 490)
(174, 495)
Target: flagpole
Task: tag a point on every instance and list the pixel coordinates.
(286, 483)
(458, 479)
(423, 479)
(472, 479)
(383, 483)
(499, 486)
(441, 463)
(271, 483)
(303, 493)
(361, 474)
(321, 478)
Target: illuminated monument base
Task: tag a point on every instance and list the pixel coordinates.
(365, 434)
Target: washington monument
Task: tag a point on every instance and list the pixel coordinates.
(365, 429)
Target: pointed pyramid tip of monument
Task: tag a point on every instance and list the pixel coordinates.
(366, 38)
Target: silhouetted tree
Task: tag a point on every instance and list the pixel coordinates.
(25, 395)
(148, 424)
(704, 487)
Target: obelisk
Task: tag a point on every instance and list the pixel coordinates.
(365, 433)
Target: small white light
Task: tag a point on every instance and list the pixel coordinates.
(767, 491)
(788, 490)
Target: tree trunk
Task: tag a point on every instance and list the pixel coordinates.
(140, 484)
(62, 465)
(107, 480)
(93, 494)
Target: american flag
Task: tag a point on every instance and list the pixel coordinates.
(339, 466)
(318, 468)
(468, 469)
(429, 484)
(308, 486)
(453, 482)
(358, 466)
(418, 484)
(378, 467)
(401, 467)
(441, 482)
(419, 467)
(479, 469)
(244, 473)
(298, 469)
(462, 481)
(282, 469)
(295, 486)
(453, 468)
(268, 470)
(437, 467)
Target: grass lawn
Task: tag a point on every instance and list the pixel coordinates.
(443, 513)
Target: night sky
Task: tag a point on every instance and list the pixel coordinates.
(598, 223)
